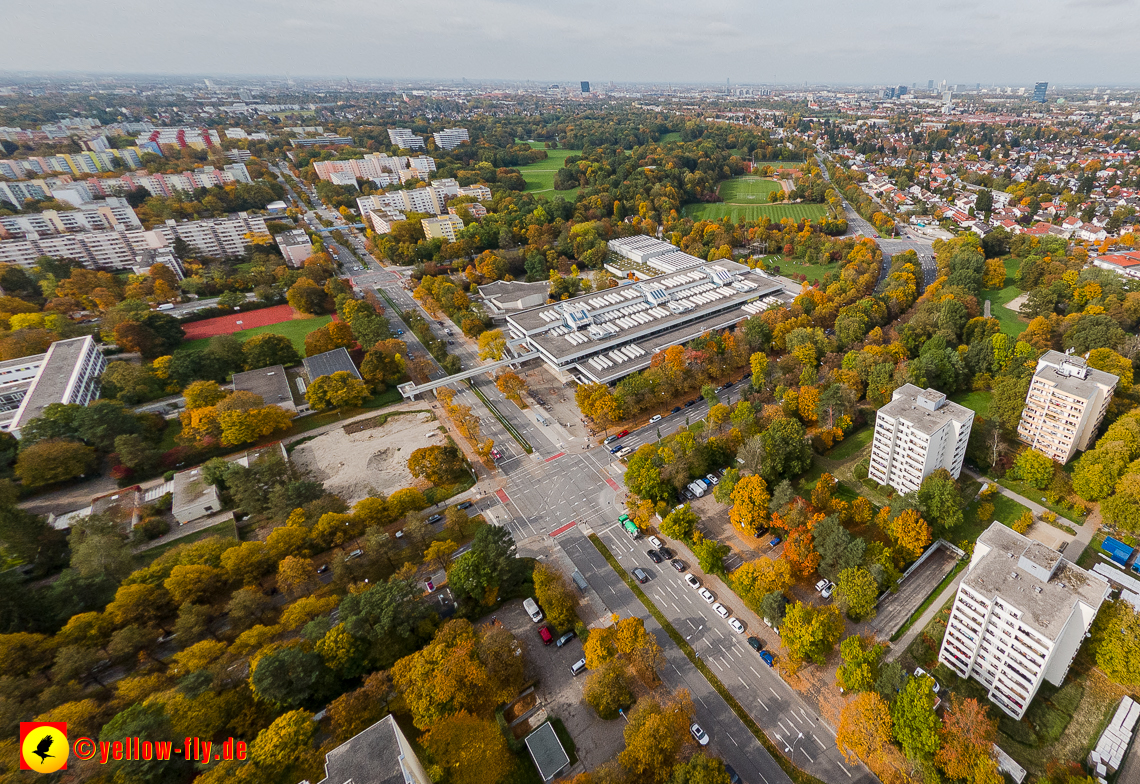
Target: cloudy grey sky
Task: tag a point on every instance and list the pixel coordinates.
(749, 41)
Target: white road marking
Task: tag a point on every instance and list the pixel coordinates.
(765, 707)
(754, 670)
(817, 740)
(777, 696)
(734, 741)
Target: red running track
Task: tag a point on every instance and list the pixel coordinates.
(227, 325)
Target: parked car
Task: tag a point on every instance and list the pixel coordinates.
(707, 595)
(736, 625)
(465, 505)
(733, 776)
(495, 453)
(678, 564)
(756, 644)
(546, 635)
(640, 575)
(828, 590)
(821, 585)
(435, 518)
(565, 639)
(720, 610)
(688, 494)
(616, 449)
(768, 658)
(578, 667)
(531, 607)
(666, 553)
(712, 478)
(610, 439)
(692, 581)
(354, 554)
(675, 409)
(699, 735)
(653, 540)
(654, 556)
(919, 673)
(654, 418)
(775, 541)
(322, 568)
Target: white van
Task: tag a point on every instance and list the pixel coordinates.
(531, 607)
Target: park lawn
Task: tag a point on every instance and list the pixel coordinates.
(849, 446)
(1011, 322)
(978, 402)
(747, 190)
(813, 272)
(672, 136)
(1006, 511)
(751, 212)
(1033, 494)
(295, 330)
(539, 175)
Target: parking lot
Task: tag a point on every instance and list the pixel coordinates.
(560, 692)
(898, 607)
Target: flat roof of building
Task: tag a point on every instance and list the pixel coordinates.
(547, 752)
(330, 362)
(1045, 604)
(54, 377)
(611, 333)
(293, 237)
(905, 405)
(371, 757)
(1050, 368)
(270, 383)
(190, 488)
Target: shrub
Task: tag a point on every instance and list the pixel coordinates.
(862, 468)
(1021, 524)
(1018, 731)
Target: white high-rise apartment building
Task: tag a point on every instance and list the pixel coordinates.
(917, 433)
(1019, 618)
(380, 167)
(450, 138)
(1065, 405)
(443, 227)
(69, 373)
(431, 199)
(405, 139)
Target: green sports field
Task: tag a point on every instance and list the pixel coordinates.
(747, 190)
(539, 176)
(295, 330)
(751, 212)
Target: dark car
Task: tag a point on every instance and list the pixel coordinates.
(689, 494)
(616, 449)
(435, 518)
(654, 556)
(640, 575)
(665, 553)
(756, 644)
(322, 568)
(465, 505)
(689, 403)
(678, 565)
(675, 409)
(733, 776)
(564, 639)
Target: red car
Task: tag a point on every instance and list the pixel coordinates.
(546, 636)
(623, 434)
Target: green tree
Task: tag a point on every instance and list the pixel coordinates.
(1034, 468)
(700, 769)
(785, 452)
(1116, 642)
(940, 501)
(915, 723)
(680, 523)
(710, 555)
(54, 460)
(556, 597)
(267, 350)
(144, 721)
(292, 677)
(860, 668)
(487, 567)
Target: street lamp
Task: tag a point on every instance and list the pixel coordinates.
(791, 750)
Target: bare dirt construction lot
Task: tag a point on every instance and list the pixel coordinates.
(373, 460)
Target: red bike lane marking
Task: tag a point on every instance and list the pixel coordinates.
(554, 457)
(502, 494)
(563, 529)
(612, 483)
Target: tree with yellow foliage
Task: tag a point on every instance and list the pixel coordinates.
(750, 500)
(492, 345)
(471, 749)
(864, 735)
(910, 532)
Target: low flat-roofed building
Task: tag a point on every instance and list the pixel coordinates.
(329, 362)
(606, 335)
(380, 754)
(547, 752)
(69, 373)
(193, 496)
(295, 246)
(270, 383)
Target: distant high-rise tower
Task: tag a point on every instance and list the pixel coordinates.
(1039, 90)
(901, 91)
(585, 87)
(929, 84)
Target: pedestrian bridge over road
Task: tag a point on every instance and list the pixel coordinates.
(410, 390)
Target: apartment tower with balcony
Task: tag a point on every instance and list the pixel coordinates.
(917, 433)
(1019, 618)
(1065, 405)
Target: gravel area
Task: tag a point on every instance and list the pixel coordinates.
(356, 465)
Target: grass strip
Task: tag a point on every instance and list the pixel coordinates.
(930, 599)
(516, 435)
(794, 773)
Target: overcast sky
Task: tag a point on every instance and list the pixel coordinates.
(748, 41)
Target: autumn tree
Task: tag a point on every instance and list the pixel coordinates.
(336, 390)
(357, 710)
(753, 580)
(750, 500)
(653, 737)
(511, 385)
(492, 345)
(966, 743)
(1116, 642)
(864, 735)
(910, 532)
(860, 668)
(471, 749)
(627, 640)
(799, 551)
(440, 465)
(334, 335)
(54, 460)
(810, 633)
(556, 597)
(1033, 468)
(295, 575)
(857, 593)
(607, 689)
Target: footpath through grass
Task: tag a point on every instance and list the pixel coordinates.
(794, 773)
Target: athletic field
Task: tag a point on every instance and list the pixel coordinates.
(747, 190)
(280, 319)
(752, 212)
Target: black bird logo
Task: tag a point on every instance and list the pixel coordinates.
(42, 748)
